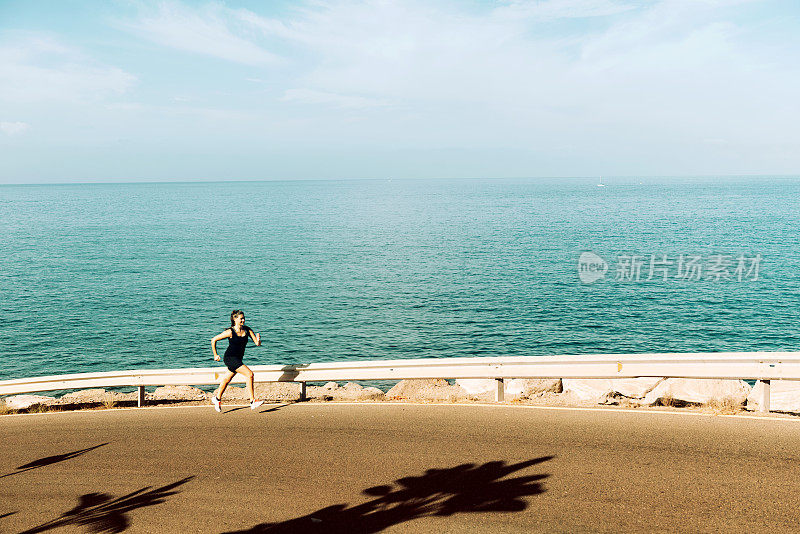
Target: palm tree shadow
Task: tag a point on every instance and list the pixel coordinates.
(467, 488)
(51, 460)
(100, 512)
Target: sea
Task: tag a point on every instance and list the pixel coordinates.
(100, 277)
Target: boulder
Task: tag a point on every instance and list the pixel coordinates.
(279, 391)
(476, 386)
(372, 393)
(784, 396)
(178, 393)
(634, 388)
(427, 389)
(349, 392)
(95, 396)
(594, 390)
(515, 387)
(353, 391)
(528, 387)
(22, 402)
(699, 391)
(652, 390)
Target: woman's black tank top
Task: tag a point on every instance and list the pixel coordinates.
(237, 343)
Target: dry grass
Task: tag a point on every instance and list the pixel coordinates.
(4, 410)
(39, 408)
(110, 403)
(667, 400)
(628, 403)
(726, 405)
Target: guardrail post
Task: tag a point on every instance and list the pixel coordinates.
(500, 390)
(763, 402)
(303, 395)
(140, 399)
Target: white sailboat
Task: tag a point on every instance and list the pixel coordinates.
(601, 184)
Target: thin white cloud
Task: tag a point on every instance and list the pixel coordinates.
(180, 109)
(309, 96)
(35, 67)
(572, 84)
(684, 52)
(14, 128)
(561, 9)
(502, 69)
(202, 31)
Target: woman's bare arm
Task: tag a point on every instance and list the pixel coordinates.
(255, 337)
(223, 335)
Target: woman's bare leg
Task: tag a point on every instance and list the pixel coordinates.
(224, 384)
(244, 370)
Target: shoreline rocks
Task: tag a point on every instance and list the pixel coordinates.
(699, 391)
(24, 402)
(436, 389)
(177, 393)
(784, 396)
(514, 388)
(733, 395)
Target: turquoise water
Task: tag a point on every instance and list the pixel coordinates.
(120, 276)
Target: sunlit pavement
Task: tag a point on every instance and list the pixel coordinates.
(394, 467)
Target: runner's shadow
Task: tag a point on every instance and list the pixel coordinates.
(467, 488)
(51, 460)
(103, 513)
(274, 408)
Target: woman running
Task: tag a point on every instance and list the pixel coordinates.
(237, 334)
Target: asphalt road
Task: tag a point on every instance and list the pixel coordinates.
(396, 468)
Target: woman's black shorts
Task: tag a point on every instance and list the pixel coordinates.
(232, 362)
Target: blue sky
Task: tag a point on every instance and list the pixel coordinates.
(150, 91)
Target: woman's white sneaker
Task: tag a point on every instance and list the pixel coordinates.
(217, 403)
(256, 404)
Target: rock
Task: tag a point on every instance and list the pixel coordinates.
(427, 389)
(280, 391)
(95, 396)
(321, 392)
(634, 388)
(515, 387)
(699, 391)
(528, 387)
(601, 390)
(371, 393)
(349, 392)
(178, 393)
(784, 396)
(86, 396)
(21, 402)
(649, 391)
(475, 386)
(595, 390)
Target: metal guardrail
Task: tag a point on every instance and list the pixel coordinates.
(762, 366)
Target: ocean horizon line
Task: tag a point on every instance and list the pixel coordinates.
(624, 177)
